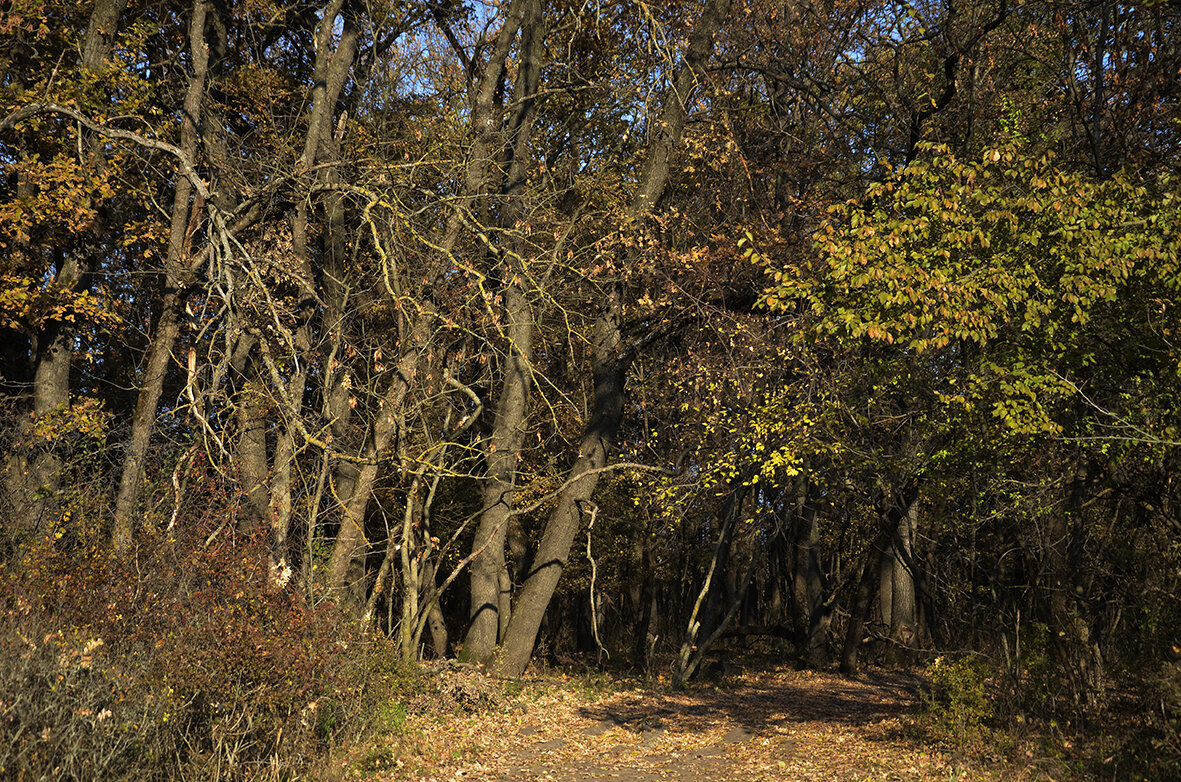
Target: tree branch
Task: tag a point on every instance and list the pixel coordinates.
(38, 109)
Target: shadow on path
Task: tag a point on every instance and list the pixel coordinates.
(758, 727)
(767, 702)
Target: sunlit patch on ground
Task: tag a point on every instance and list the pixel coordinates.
(779, 724)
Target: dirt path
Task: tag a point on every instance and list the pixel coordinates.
(771, 726)
(778, 725)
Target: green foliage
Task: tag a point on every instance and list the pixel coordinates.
(381, 685)
(980, 324)
(953, 250)
(1009, 253)
(1038, 678)
(959, 705)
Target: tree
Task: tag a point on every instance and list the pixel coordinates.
(847, 325)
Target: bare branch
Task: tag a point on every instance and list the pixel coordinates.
(38, 109)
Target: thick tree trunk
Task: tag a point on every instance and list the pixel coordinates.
(811, 612)
(491, 585)
(489, 574)
(860, 613)
(562, 526)
(322, 145)
(352, 486)
(143, 422)
(252, 454)
(144, 419)
(346, 572)
(346, 566)
(100, 32)
(896, 593)
(720, 593)
(280, 506)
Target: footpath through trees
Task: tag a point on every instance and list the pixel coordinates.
(774, 724)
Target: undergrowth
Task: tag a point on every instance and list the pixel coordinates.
(976, 707)
(178, 660)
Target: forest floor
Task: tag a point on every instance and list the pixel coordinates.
(766, 725)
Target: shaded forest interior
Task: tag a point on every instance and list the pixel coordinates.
(619, 332)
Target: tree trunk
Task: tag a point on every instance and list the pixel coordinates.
(35, 479)
(143, 422)
(609, 367)
(720, 594)
(491, 586)
(705, 618)
(100, 32)
(280, 506)
(322, 145)
(252, 454)
(1072, 640)
(184, 213)
(346, 571)
(646, 605)
(810, 609)
(346, 566)
(436, 622)
(904, 612)
(331, 71)
(51, 394)
(658, 162)
(489, 574)
(562, 526)
(860, 612)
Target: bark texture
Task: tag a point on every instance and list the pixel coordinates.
(184, 213)
(609, 366)
(491, 584)
(896, 508)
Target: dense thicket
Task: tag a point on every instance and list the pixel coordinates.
(618, 328)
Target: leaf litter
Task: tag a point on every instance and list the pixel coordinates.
(777, 724)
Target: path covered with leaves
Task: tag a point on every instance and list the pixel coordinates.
(769, 725)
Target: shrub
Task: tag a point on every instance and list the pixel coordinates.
(70, 712)
(376, 686)
(177, 661)
(1167, 743)
(959, 704)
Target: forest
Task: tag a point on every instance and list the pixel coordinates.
(340, 339)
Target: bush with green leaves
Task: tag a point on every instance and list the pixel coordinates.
(959, 703)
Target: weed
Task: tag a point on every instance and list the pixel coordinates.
(190, 665)
(959, 705)
(376, 761)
